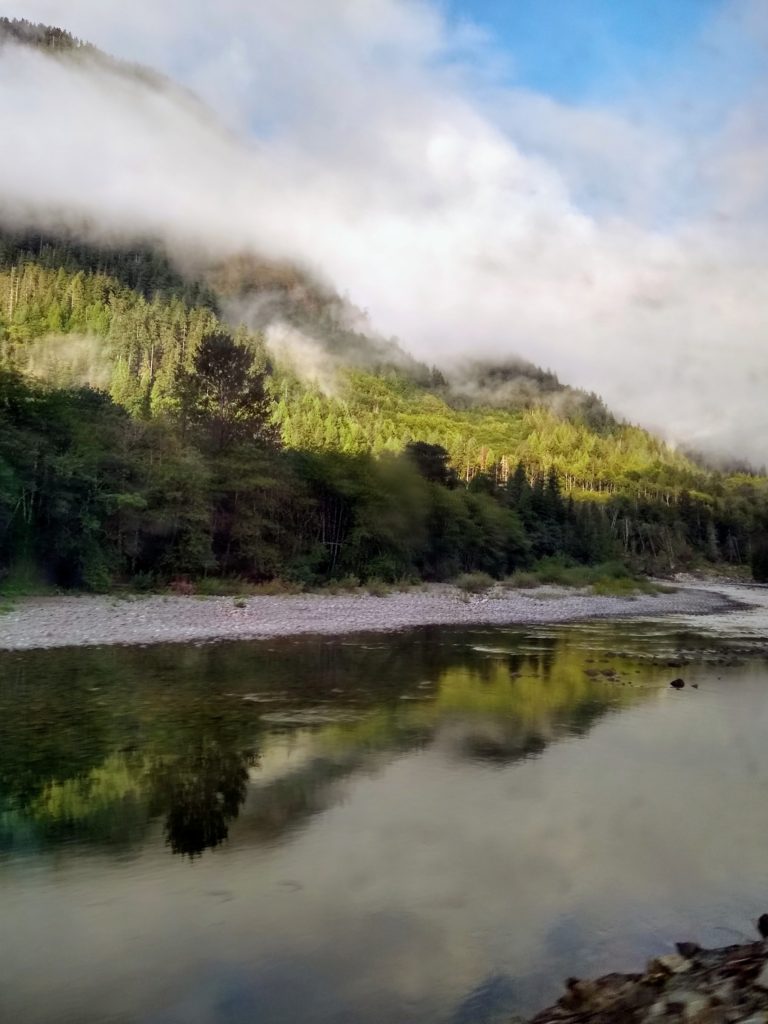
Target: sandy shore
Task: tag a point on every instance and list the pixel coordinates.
(89, 621)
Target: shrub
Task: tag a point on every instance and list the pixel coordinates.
(474, 582)
(560, 572)
(377, 587)
(143, 582)
(96, 576)
(184, 587)
(342, 585)
(610, 586)
(606, 578)
(522, 580)
(23, 579)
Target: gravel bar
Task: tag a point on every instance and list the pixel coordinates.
(84, 621)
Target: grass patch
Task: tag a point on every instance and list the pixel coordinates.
(607, 579)
(629, 586)
(474, 582)
(343, 585)
(276, 588)
(24, 580)
(520, 580)
(608, 587)
(721, 570)
(214, 586)
(378, 588)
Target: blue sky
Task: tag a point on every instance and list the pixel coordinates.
(590, 50)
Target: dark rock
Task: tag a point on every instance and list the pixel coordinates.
(688, 949)
(678, 683)
(693, 986)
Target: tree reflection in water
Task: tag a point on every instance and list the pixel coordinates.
(199, 794)
(96, 746)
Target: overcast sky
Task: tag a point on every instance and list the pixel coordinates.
(579, 182)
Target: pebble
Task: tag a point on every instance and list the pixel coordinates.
(691, 1004)
(674, 963)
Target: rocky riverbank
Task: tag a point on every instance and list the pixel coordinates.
(694, 985)
(96, 620)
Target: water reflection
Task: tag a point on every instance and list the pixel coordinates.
(433, 827)
(199, 794)
(96, 745)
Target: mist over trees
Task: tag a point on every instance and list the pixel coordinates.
(143, 438)
(151, 427)
(608, 302)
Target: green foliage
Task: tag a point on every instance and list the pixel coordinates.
(377, 588)
(626, 587)
(23, 579)
(432, 461)
(389, 412)
(474, 582)
(93, 497)
(198, 459)
(236, 586)
(606, 578)
(522, 580)
(224, 394)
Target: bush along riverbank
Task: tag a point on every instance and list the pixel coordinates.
(698, 986)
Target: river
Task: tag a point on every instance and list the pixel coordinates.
(434, 826)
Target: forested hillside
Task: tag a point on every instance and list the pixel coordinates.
(74, 314)
(239, 418)
(144, 437)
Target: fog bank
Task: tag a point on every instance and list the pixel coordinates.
(624, 247)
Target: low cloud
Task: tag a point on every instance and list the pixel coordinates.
(623, 248)
(308, 359)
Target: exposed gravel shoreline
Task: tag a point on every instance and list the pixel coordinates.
(97, 620)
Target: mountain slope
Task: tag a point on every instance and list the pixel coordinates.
(139, 320)
(141, 392)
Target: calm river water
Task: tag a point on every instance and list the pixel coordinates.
(432, 827)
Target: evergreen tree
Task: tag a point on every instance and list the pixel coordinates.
(225, 395)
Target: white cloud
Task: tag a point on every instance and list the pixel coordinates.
(465, 216)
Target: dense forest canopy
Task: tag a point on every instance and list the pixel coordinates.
(238, 417)
(143, 436)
